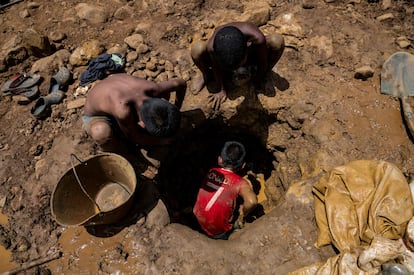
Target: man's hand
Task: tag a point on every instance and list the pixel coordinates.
(240, 219)
(215, 100)
(180, 92)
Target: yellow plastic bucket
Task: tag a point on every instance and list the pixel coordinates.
(99, 190)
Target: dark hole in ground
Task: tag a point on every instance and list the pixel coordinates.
(182, 172)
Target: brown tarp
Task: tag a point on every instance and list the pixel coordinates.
(355, 203)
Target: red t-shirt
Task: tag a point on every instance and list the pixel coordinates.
(216, 200)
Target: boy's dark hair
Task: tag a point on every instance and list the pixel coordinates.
(230, 46)
(161, 118)
(233, 154)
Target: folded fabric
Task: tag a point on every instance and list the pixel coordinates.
(97, 66)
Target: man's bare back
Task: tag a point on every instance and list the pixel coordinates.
(134, 106)
(115, 92)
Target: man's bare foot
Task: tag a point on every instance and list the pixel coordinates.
(198, 84)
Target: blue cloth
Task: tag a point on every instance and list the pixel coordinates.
(97, 66)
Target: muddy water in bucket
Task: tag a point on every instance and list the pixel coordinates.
(97, 191)
(112, 195)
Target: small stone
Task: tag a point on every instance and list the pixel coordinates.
(364, 72)
(307, 5)
(24, 13)
(142, 48)
(385, 17)
(409, 10)
(403, 42)
(33, 5)
(77, 103)
(36, 150)
(23, 245)
(21, 100)
(39, 150)
(3, 199)
(131, 57)
(151, 66)
(386, 4)
(56, 36)
(40, 168)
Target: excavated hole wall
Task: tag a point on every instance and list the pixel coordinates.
(182, 172)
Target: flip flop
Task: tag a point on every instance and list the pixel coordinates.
(60, 80)
(18, 82)
(30, 92)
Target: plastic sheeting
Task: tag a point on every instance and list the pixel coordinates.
(357, 201)
(354, 204)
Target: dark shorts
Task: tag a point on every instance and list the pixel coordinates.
(226, 235)
(88, 121)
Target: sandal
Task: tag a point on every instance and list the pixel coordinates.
(18, 82)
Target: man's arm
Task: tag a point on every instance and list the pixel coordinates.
(249, 198)
(257, 42)
(164, 89)
(216, 99)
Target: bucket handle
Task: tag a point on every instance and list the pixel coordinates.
(78, 180)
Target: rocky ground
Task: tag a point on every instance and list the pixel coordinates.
(322, 108)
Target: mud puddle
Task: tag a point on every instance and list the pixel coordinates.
(6, 263)
(83, 252)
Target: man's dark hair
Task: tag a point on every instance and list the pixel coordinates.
(230, 46)
(233, 154)
(161, 118)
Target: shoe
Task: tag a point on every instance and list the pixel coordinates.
(42, 107)
(60, 80)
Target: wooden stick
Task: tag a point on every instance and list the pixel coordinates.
(34, 263)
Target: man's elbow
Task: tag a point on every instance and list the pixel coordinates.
(251, 203)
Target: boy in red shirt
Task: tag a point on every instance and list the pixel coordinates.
(216, 200)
